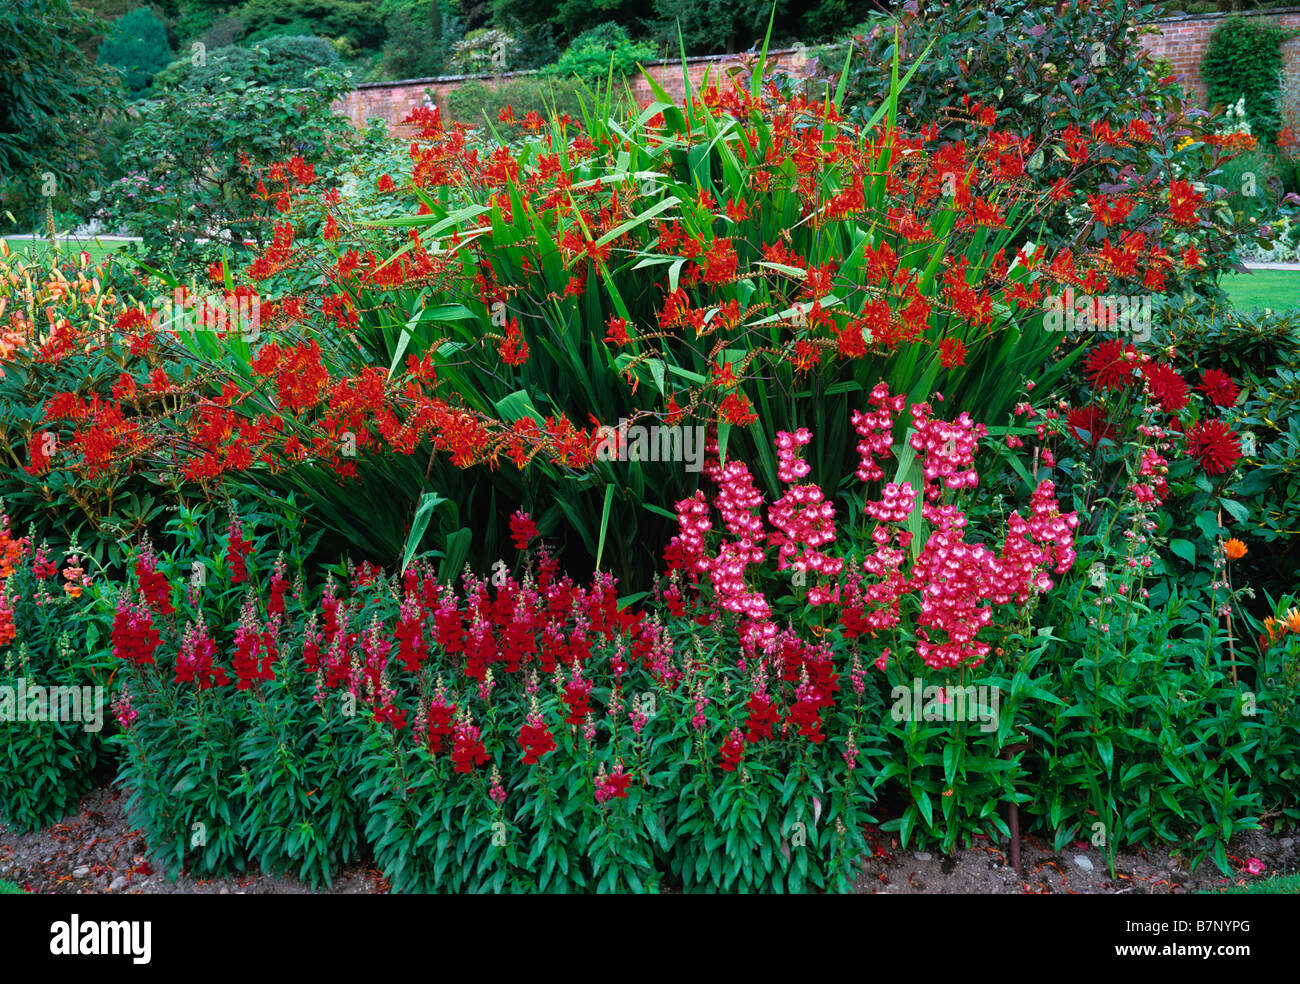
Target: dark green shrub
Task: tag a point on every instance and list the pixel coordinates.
(1244, 61)
(593, 54)
(137, 46)
(417, 41)
(276, 61)
(52, 110)
(332, 18)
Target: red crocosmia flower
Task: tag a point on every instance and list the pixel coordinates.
(952, 352)
(1089, 426)
(522, 529)
(733, 750)
(1110, 365)
(1167, 387)
(1184, 200)
(514, 350)
(736, 409)
(616, 331)
(1214, 445)
(1219, 388)
(386, 183)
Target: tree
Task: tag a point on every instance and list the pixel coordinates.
(136, 45)
(709, 26)
(415, 47)
(54, 101)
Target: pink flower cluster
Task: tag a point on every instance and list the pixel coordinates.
(876, 428)
(956, 582)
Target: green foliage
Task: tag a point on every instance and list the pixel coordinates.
(592, 55)
(1244, 61)
(276, 61)
(46, 766)
(418, 39)
(348, 19)
(136, 45)
(53, 103)
(712, 26)
(190, 157)
(487, 51)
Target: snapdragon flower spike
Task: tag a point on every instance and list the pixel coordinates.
(237, 549)
(134, 637)
(196, 661)
(154, 586)
(611, 785)
(255, 650)
(467, 749)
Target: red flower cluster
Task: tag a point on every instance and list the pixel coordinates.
(134, 637)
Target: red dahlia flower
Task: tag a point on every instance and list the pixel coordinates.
(1167, 387)
(1110, 365)
(1091, 420)
(1219, 388)
(1214, 445)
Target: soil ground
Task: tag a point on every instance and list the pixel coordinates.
(97, 851)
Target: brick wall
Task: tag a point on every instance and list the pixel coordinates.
(391, 101)
(1181, 41)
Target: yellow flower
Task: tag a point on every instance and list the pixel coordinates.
(1234, 549)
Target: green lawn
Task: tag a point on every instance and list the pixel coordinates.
(1281, 885)
(99, 251)
(9, 888)
(1276, 289)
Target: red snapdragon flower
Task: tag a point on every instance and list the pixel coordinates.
(522, 529)
(237, 549)
(536, 740)
(733, 750)
(612, 785)
(467, 749)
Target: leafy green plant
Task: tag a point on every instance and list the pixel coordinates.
(54, 103)
(1244, 61)
(596, 53)
(137, 46)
